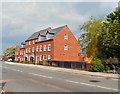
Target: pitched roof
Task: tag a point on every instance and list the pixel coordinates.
(43, 33)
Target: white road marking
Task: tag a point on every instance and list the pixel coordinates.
(14, 69)
(41, 75)
(72, 81)
(19, 71)
(54, 69)
(92, 85)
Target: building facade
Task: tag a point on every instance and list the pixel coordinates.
(49, 46)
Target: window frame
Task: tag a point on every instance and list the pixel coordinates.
(49, 47)
(65, 47)
(45, 48)
(33, 48)
(44, 57)
(65, 36)
(40, 48)
(37, 48)
(49, 57)
(40, 57)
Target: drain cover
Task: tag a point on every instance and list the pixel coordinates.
(94, 81)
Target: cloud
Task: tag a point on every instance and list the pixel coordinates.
(21, 19)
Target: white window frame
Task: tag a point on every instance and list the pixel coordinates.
(44, 57)
(26, 50)
(45, 47)
(37, 48)
(65, 36)
(49, 57)
(29, 50)
(40, 48)
(40, 57)
(33, 42)
(29, 42)
(39, 38)
(65, 47)
(49, 47)
(33, 49)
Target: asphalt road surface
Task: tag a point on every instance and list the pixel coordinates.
(31, 79)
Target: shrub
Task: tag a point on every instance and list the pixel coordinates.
(115, 60)
(97, 66)
(112, 60)
(27, 62)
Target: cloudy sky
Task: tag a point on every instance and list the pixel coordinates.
(21, 19)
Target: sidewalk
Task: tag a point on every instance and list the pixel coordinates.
(82, 72)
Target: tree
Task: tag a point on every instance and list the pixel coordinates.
(89, 38)
(110, 38)
(9, 52)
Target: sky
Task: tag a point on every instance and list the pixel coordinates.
(21, 19)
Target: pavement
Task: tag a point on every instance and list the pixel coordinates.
(82, 72)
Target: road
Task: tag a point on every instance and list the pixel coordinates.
(31, 79)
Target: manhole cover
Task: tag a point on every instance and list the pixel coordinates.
(94, 81)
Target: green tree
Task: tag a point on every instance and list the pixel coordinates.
(89, 38)
(9, 52)
(110, 38)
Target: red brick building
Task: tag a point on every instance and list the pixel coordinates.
(50, 46)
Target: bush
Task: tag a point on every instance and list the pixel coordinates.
(27, 62)
(112, 60)
(97, 66)
(115, 60)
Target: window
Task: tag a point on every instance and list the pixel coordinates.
(29, 50)
(49, 47)
(65, 36)
(26, 50)
(22, 46)
(49, 57)
(40, 48)
(33, 42)
(40, 57)
(65, 47)
(39, 38)
(33, 49)
(44, 57)
(45, 47)
(20, 52)
(47, 36)
(36, 48)
(36, 40)
(29, 42)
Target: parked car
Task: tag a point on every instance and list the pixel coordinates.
(10, 59)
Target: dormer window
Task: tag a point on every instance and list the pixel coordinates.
(22, 45)
(47, 36)
(65, 36)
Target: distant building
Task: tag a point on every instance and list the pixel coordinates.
(57, 46)
(1, 58)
